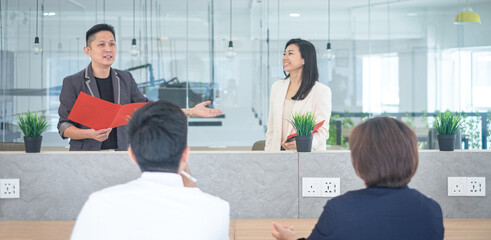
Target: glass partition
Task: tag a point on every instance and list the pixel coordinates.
(402, 58)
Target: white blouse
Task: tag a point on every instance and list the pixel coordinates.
(318, 102)
(287, 116)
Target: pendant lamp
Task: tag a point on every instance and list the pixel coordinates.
(328, 52)
(467, 16)
(230, 53)
(134, 48)
(36, 47)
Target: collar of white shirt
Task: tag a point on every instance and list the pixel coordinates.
(165, 178)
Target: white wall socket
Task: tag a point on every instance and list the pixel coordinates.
(476, 186)
(466, 186)
(330, 187)
(320, 187)
(456, 186)
(9, 188)
(311, 187)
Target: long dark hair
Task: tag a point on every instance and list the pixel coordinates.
(310, 74)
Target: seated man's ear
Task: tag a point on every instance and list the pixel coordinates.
(184, 159)
(132, 156)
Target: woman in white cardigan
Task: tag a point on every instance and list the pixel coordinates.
(299, 92)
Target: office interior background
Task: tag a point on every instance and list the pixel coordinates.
(401, 57)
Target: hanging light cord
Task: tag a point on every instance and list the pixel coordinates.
(329, 21)
(459, 11)
(230, 20)
(59, 21)
(133, 18)
(388, 27)
(37, 14)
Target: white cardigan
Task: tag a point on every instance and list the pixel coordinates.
(318, 101)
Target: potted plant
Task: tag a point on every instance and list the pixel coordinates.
(32, 125)
(304, 124)
(446, 125)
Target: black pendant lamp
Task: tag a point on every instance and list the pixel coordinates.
(328, 53)
(230, 53)
(36, 47)
(134, 48)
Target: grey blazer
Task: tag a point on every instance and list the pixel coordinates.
(125, 91)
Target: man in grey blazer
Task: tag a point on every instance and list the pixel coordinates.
(99, 80)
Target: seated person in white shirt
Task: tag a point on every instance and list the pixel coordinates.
(157, 205)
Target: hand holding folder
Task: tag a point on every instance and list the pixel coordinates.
(291, 137)
(100, 114)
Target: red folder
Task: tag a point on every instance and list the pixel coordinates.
(99, 114)
(316, 127)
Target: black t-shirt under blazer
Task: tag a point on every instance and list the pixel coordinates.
(105, 87)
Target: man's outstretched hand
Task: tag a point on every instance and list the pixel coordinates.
(201, 111)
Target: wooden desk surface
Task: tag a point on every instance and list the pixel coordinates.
(240, 229)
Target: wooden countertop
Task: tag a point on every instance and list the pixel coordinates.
(240, 229)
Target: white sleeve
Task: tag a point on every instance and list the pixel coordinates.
(225, 225)
(87, 225)
(322, 111)
(270, 132)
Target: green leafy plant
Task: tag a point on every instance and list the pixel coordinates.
(32, 124)
(471, 130)
(489, 129)
(424, 118)
(332, 131)
(409, 120)
(346, 122)
(447, 123)
(304, 123)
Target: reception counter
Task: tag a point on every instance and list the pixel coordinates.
(55, 185)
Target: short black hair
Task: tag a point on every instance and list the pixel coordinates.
(98, 28)
(158, 136)
(310, 73)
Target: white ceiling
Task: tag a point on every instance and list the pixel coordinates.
(240, 5)
(73, 15)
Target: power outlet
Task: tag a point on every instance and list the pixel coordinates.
(466, 186)
(311, 187)
(9, 188)
(330, 187)
(457, 186)
(476, 186)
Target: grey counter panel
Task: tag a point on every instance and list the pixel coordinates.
(54, 185)
(257, 185)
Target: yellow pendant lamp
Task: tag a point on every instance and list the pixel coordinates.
(467, 16)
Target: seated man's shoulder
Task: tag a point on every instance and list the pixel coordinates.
(141, 191)
(199, 198)
(110, 192)
(212, 198)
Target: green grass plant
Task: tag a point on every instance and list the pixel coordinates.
(447, 123)
(304, 123)
(32, 124)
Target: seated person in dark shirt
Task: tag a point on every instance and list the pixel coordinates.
(384, 154)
